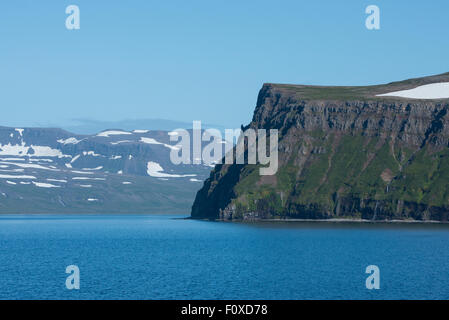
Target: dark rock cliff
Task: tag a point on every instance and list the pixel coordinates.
(344, 152)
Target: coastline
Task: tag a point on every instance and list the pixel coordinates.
(338, 220)
(333, 220)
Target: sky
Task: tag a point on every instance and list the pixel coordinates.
(201, 60)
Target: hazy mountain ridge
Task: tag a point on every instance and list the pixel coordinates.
(344, 152)
(44, 170)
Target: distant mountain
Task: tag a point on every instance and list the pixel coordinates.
(376, 152)
(90, 126)
(45, 170)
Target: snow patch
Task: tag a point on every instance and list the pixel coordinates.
(39, 160)
(118, 142)
(428, 91)
(141, 131)
(75, 158)
(12, 159)
(71, 140)
(91, 153)
(29, 165)
(57, 180)
(13, 170)
(149, 140)
(93, 169)
(30, 151)
(154, 169)
(112, 133)
(45, 185)
(44, 151)
(82, 172)
(152, 141)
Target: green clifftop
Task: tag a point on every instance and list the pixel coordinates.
(343, 153)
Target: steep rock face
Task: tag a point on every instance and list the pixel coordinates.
(344, 152)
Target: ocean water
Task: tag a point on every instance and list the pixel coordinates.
(163, 257)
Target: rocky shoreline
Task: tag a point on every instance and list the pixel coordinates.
(332, 220)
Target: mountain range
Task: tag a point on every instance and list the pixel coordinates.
(45, 170)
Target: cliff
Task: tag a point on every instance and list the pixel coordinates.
(344, 152)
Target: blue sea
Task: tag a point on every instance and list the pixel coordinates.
(165, 257)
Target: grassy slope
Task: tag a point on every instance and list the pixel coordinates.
(344, 93)
(144, 195)
(352, 169)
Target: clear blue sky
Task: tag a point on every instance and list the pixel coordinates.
(202, 60)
